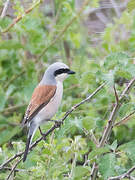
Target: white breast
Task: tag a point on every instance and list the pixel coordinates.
(51, 108)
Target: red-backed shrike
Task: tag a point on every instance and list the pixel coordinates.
(45, 100)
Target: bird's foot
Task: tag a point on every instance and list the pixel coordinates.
(44, 137)
(42, 134)
(58, 123)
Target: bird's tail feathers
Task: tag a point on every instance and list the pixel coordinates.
(32, 130)
(27, 148)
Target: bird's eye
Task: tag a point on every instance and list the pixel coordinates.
(61, 71)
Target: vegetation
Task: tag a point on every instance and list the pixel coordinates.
(97, 138)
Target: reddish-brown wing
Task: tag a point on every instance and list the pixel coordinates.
(40, 98)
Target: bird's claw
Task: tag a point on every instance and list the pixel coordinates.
(44, 137)
(42, 134)
(58, 123)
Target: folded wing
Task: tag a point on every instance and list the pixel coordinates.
(40, 98)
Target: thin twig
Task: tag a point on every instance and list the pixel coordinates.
(73, 166)
(125, 119)
(67, 52)
(12, 108)
(107, 131)
(16, 170)
(91, 136)
(116, 94)
(52, 42)
(131, 177)
(54, 126)
(13, 78)
(113, 114)
(16, 20)
(103, 18)
(115, 8)
(3, 14)
(64, 29)
(127, 174)
(72, 87)
(13, 169)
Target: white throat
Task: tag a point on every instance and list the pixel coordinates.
(61, 77)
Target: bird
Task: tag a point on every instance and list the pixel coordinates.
(45, 100)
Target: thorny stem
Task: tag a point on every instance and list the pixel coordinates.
(5, 9)
(52, 42)
(16, 20)
(107, 131)
(64, 29)
(123, 175)
(53, 127)
(125, 119)
(13, 169)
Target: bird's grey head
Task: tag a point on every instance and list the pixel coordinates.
(56, 72)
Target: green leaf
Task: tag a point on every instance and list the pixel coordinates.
(88, 123)
(6, 135)
(131, 5)
(2, 100)
(114, 145)
(107, 165)
(98, 151)
(121, 58)
(80, 172)
(10, 44)
(129, 148)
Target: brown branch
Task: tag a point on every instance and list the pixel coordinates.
(13, 169)
(91, 136)
(52, 42)
(127, 174)
(125, 119)
(3, 14)
(116, 8)
(12, 108)
(116, 94)
(14, 78)
(16, 170)
(64, 29)
(67, 52)
(72, 87)
(54, 126)
(16, 20)
(107, 131)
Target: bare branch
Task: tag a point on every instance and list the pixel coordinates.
(12, 108)
(16, 20)
(16, 170)
(116, 94)
(3, 14)
(13, 169)
(64, 29)
(53, 127)
(127, 174)
(125, 119)
(115, 8)
(114, 113)
(106, 133)
(91, 136)
(67, 53)
(102, 17)
(52, 42)
(13, 78)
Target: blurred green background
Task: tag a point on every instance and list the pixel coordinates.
(99, 44)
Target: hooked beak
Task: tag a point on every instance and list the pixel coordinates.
(71, 72)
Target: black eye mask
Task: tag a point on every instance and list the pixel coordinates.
(61, 71)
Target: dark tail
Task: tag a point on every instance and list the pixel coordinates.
(32, 129)
(27, 148)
